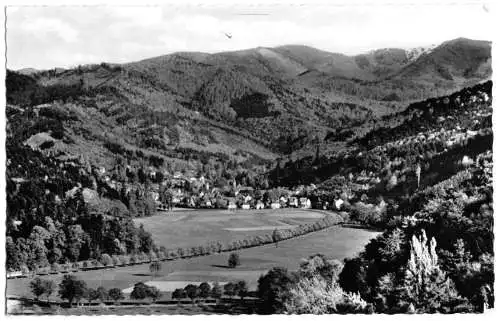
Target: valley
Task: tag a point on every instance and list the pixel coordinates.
(141, 182)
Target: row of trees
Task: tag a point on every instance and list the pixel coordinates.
(73, 290)
(204, 291)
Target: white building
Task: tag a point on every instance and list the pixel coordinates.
(305, 202)
(338, 204)
(275, 205)
(259, 205)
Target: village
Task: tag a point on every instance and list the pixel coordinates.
(188, 190)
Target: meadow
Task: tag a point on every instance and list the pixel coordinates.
(337, 242)
(198, 227)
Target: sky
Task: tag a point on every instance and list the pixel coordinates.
(66, 36)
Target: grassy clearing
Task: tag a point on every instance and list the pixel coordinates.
(193, 228)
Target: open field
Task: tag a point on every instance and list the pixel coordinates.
(337, 242)
(198, 227)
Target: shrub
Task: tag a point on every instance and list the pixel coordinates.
(66, 267)
(192, 291)
(229, 289)
(316, 296)
(154, 293)
(204, 290)
(106, 260)
(124, 259)
(140, 291)
(172, 254)
(24, 270)
(273, 289)
(216, 292)
(102, 293)
(234, 260)
(92, 295)
(155, 267)
(153, 256)
(241, 289)
(72, 289)
(116, 294)
(37, 287)
(55, 267)
(179, 294)
(143, 257)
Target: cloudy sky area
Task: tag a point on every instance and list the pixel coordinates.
(47, 37)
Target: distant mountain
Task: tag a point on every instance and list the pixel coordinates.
(27, 71)
(414, 53)
(248, 106)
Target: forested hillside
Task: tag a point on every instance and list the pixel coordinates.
(424, 176)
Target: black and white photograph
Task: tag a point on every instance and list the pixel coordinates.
(248, 158)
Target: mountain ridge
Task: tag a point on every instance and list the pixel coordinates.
(273, 101)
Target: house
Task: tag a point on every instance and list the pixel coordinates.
(275, 205)
(246, 190)
(112, 184)
(14, 274)
(231, 206)
(293, 202)
(338, 203)
(155, 196)
(247, 199)
(161, 207)
(190, 202)
(305, 202)
(245, 206)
